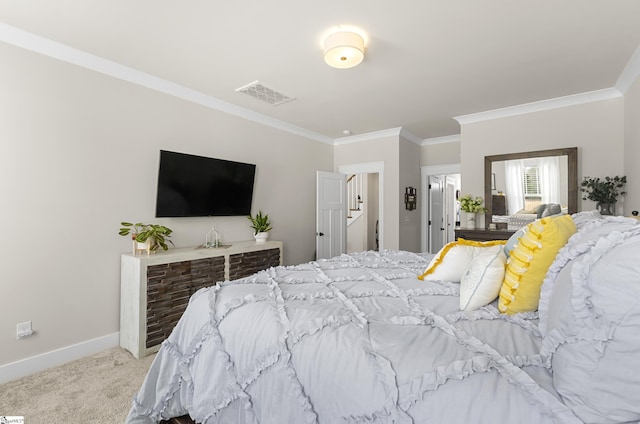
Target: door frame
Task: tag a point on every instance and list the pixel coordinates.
(371, 168)
(425, 172)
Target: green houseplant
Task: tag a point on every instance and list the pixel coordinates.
(156, 235)
(261, 226)
(603, 191)
(472, 206)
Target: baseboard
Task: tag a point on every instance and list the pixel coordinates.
(34, 364)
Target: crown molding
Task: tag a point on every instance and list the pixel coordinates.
(455, 138)
(410, 136)
(374, 135)
(630, 73)
(65, 53)
(549, 104)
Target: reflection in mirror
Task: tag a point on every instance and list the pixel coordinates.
(529, 183)
(518, 183)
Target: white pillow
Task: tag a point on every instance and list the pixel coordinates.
(452, 260)
(482, 279)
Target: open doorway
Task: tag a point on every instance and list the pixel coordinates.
(363, 213)
(365, 200)
(441, 214)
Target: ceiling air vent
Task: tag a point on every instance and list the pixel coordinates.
(264, 93)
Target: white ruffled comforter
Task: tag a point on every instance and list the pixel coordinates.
(357, 338)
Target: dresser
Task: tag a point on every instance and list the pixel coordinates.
(155, 288)
(498, 205)
(480, 234)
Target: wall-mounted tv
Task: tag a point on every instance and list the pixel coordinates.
(190, 185)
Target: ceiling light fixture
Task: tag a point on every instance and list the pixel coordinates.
(343, 49)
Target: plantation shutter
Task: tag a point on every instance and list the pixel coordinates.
(531, 182)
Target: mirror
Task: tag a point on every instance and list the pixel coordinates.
(496, 178)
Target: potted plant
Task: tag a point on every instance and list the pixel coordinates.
(261, 226)
(148, 236)
(471, 206)
(604, 192)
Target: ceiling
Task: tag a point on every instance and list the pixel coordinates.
(426, 61)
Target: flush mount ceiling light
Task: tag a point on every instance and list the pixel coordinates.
(343, 49)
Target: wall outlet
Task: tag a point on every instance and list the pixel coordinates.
(23, 329)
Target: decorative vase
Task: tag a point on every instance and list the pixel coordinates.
(140, 248)
(469, 220)
(606, 208)
(261, 237)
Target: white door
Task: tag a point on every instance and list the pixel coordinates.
(331, 214)
(450, 209)
(436, 213)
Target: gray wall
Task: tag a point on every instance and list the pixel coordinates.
(79, 155)
(632, 147)
(409, 224)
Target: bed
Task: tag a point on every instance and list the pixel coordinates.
(360, 338)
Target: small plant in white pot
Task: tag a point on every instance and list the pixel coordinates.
(261, 226)
(147, 237)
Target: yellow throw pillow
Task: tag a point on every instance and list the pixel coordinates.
(452, 260)
(529, 261)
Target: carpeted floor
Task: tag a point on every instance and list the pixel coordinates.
(97, 389)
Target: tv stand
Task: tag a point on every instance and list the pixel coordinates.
(155, 289)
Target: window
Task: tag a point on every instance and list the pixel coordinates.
(531, 187)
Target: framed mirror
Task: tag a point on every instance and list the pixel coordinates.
(500, 172)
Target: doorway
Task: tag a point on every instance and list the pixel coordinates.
(440, 206)
(367, 233)
(363, 212)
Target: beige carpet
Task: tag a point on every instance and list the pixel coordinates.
(97, 389)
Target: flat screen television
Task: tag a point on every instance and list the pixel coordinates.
(190, 185)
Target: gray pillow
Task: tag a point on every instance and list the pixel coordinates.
(539, 209)
(551, 209)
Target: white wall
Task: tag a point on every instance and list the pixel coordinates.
(632, 148)
(409, 225)
(384, 149)
(401, 159)
(440, 154)
(79, 154)
(356, 235)
(596, 128)
(372, 210)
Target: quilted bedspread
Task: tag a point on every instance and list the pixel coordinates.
(357, 338)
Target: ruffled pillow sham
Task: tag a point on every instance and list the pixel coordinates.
(590, 319)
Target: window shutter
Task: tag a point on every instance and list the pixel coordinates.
(531, 182)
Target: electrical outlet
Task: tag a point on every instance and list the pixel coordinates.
(23, 329)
